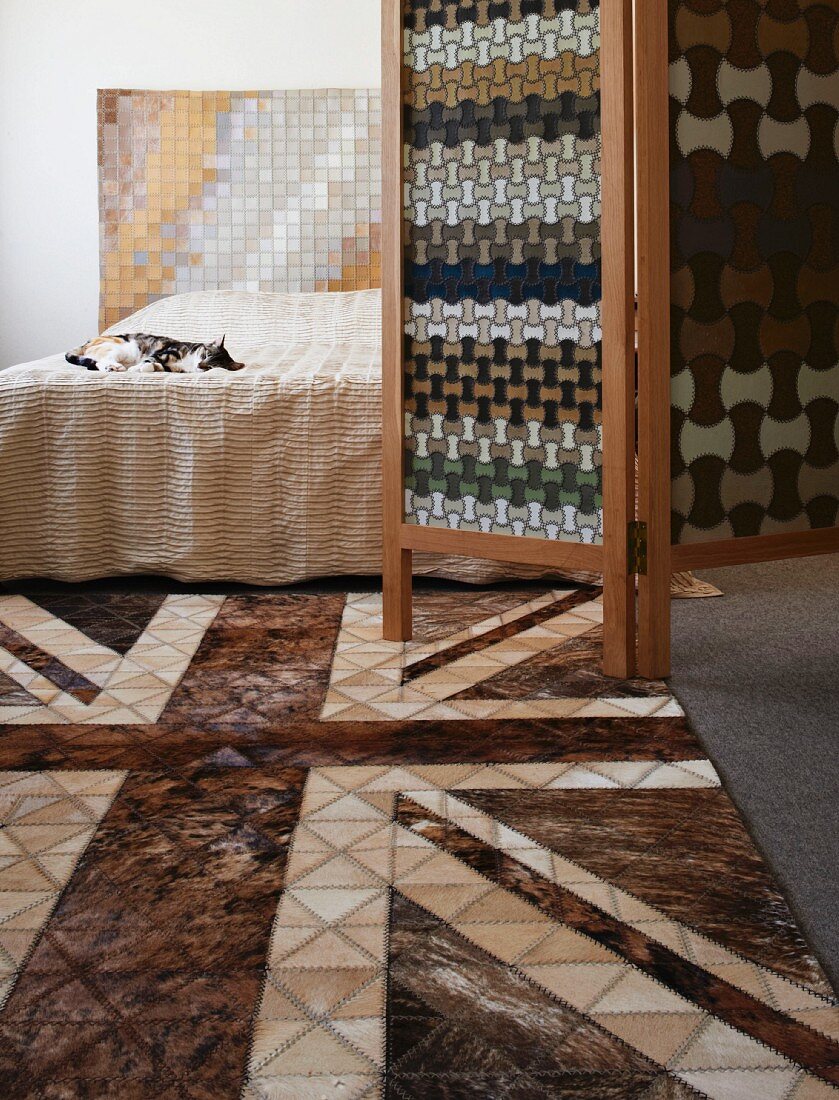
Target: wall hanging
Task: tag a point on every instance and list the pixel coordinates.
(260, 190)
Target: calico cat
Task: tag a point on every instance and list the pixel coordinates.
(143, 354)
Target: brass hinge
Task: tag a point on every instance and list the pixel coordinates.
(637, 545)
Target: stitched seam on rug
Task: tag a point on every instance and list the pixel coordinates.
(585, 1021)
(60, 889)
(147, 912)
(793, 1023)
(691, 815)
(778, 882)
(499, 634)
(522, 976)
(325, 1020)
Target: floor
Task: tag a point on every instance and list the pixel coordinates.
(250, 849)
(770, 724)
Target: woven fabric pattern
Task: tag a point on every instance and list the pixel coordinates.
(502, 208)
(754, 93)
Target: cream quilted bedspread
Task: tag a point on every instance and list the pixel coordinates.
(267, 476)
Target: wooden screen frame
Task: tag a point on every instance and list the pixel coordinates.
(618, 335)
(652, 128)
(654, 402)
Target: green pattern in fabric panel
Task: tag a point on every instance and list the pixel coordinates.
(754, 93)
(502, 267)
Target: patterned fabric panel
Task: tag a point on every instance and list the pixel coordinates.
(258, 191)
(755, 286)
(502, 204)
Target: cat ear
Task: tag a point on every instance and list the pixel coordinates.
(220, 342)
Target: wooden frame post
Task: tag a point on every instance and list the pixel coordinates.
(653, 190)
(618, 320)
(396, 560)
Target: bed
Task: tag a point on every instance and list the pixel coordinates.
(268, 476)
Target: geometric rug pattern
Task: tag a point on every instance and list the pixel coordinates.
(373, 838)
(460, 675)
(47, 819)
(68, 676)
(248, 895)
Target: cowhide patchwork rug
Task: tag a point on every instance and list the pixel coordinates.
(247, 848)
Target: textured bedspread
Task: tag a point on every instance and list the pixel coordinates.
(268, 476)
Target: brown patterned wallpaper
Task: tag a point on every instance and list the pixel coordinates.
(755, 260)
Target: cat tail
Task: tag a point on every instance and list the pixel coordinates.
(81, 361)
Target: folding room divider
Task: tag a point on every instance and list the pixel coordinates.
(496, 331)
(509, 379)
(738, 290)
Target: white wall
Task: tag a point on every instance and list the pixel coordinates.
(53, 57)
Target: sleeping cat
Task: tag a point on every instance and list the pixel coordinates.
(143, 354)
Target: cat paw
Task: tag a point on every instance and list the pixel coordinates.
(146, 367)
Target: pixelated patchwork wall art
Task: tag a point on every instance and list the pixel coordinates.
(754, 93)
(260, 191)
(502, 267)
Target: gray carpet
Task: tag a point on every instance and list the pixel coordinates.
(758, 673)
